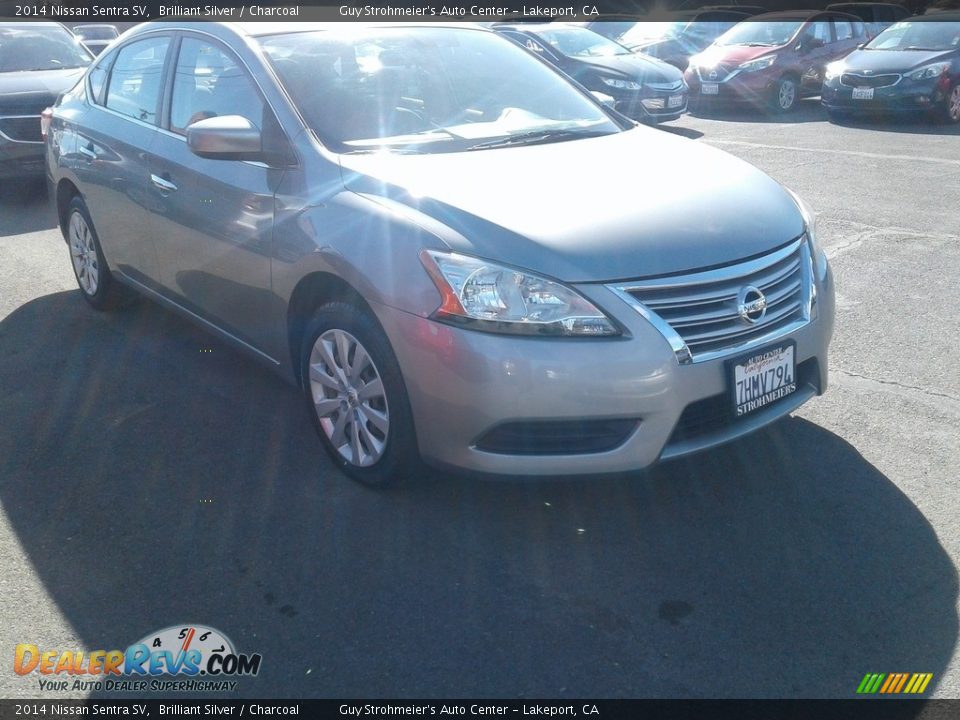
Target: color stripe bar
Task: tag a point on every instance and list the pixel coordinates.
(903, 680)
(875, 685)
(862, 688)
(926, 681)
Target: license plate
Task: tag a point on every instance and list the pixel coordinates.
(710, 89)
(763, 377)
(675, 101)
(862, 93)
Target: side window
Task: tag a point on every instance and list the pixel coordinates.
(134, 87)
(98, 79)
(817, 34)
(209, 82)
(843, 29)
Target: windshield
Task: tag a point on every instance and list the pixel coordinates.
(580, 42)
(761, 33)
(918, 36)
(30, 48)
(426, 89)
(643, 32)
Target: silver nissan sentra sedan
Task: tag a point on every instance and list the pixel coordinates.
(456, 252)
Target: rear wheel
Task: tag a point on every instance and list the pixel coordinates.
(785, 93)
(89, 265)
(357, 397)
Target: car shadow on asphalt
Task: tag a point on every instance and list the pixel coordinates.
(919, 125)
(18, 196)
(154, 477)
(807, 110)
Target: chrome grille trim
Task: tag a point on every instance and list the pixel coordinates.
(698, 315)
(852, 79)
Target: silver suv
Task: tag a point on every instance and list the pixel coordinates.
(457, 254)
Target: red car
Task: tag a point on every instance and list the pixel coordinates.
(774, 59)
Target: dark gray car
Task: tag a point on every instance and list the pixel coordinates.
(480, 273)
(38, 61)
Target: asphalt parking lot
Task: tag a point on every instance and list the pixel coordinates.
(150, 476)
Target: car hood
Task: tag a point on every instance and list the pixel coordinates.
(32, 88)
(732, 55)
(893, 61)
(643, 68)
(622, 206)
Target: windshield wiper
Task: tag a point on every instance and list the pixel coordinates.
(927, 49)
(536, 136)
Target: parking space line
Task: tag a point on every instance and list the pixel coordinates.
(854, 153)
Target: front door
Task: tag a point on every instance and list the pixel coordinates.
(213, 219)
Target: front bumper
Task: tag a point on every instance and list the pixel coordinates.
(464, 383)
(652, 104)
(905, 97)
(738, 87)
(21, 160)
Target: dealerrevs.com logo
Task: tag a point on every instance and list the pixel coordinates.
(178, 658)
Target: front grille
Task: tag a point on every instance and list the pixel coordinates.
(21, 129)
(715, 414)
(870, 81)
(700, 314)
(556, 437)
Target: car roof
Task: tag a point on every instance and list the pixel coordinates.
(262, 29)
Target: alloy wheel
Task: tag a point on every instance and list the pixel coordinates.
(83, 253)
(953, 104)
(787, 94)
(349, 397)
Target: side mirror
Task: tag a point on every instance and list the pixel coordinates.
(605, 99)
(227, 137)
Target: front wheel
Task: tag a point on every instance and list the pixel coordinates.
(357, 396)
(951, 105)
(784, 96)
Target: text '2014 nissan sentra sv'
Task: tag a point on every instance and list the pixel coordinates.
(458, 254)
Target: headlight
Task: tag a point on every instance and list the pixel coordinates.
(930, 71)
(759, 63)
(833, 69)
(486, 296)
(621, 84)
(810, 221)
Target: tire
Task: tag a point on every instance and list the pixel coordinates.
(90, 268)
(950, 112)
(785, 94)
(370, 437)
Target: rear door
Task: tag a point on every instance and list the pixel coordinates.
(816, 46)
(213, 219)
(114, 138)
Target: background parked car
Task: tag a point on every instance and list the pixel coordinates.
(642, 88)
(774, 59)
(911, 67)
(38, 61)
(683, 35)
(96, 37)
(876, 17)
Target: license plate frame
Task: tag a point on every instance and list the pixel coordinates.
(674, 101)
(863, 93)
(741, 405)
(710, 88)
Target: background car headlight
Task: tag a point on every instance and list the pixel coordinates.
(930, 71)
(621, 84)
(832, 70)
(487, 296)
(759, 63)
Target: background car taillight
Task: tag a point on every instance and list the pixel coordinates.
(46, 117)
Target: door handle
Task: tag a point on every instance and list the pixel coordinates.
(162, 184)
(88, 152)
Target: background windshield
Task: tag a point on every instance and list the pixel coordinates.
(918, 35)
(95, 33)
(28, 48)
(580, 42)
(762, 33)
(649, 31)
(428, 89)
